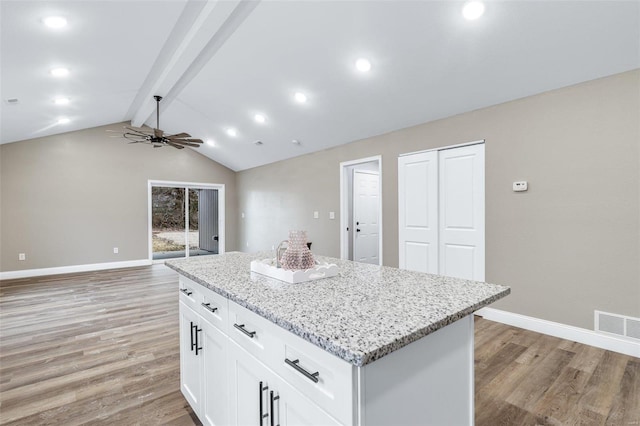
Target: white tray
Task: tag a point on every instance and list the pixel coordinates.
(268, 267)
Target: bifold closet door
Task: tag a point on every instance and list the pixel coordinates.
(461, 212)
(441, 212)
(418, 212)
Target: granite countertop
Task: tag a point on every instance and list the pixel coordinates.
(361, 315)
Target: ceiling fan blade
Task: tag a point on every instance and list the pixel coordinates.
(138, 129)
(192, 140)
(182, 141)
(135, 136)
(193, 145)
(180, 135)
(175, 145)
(158, 133)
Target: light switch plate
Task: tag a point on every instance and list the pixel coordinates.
(316, 215)
(332, 215)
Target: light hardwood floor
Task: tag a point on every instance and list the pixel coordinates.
(102, 348)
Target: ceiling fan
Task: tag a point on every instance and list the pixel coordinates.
(156, 137)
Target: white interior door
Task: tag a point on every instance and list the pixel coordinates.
(462, 212)
(441, 212)
(418, 212)
(365, 215)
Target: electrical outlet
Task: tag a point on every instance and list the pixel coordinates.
(115, 250)
(22, 256)
(520, 186)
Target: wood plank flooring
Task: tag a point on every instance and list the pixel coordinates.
(102, 348)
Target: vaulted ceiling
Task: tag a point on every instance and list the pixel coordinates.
(219, 63)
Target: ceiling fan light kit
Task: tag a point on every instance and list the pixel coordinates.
(156, 137)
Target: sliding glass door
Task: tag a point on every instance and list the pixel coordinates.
(203, 222)
(185, 219)
(168, 222)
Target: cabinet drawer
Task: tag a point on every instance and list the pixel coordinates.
(324, 378)
(189, 293)
(331, 388)
(214, 309)
(253, 333)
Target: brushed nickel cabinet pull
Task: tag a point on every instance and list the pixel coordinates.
(208, 307)
(262, 415)
(186, 291)
(273, 415)
(244, 330)
(295, 364)
(198, 348)
(193, 344)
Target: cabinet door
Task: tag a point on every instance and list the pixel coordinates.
(189, 362)
(248, 400)
(275, 403)
(292, 408)
(214, 408)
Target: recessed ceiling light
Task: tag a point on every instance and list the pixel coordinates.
(232, 132)
(63, 120)
(211, 142)
(55, 21)
(295, 142)
(60, 72)
(363, 65)
(61, 101)
(300, 97)
(259, 118)
(473, 10)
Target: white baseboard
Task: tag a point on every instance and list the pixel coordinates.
(27, 273)
(568, 332)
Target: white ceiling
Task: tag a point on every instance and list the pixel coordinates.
(219, 63)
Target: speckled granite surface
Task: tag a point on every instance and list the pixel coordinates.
(363, 314)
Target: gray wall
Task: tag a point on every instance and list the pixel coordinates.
(69, 199)
(567, 246)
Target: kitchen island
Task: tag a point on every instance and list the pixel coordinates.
(372, 346)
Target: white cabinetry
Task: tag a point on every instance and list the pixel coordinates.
(214, 407)
(227, 370)
(258, 396)
(249, 371)
(189, 376)
(203, 352)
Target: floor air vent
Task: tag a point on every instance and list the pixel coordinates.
(617, 324)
